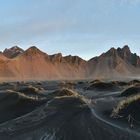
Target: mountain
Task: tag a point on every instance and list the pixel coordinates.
(33, 64)
(115, 63)
(129, 57)
(13, 52)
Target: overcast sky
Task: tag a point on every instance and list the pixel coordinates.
(78, 27)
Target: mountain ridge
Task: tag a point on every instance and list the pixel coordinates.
(34, 64)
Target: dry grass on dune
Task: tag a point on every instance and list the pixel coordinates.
(120, 83)
(64, 92)
(69, 85)
(26, 96)
(128, 106)
(28, 90)
(133, 90)
(133, 82)
(95, 81)
(67, 93)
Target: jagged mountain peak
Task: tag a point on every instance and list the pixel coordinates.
(126, 48)
(14, 48)
(74, 59)
(124, 52)
(13, 52)
(111, 52)
(129, 57)
(56, 57)
(112, 49)
(33, 50)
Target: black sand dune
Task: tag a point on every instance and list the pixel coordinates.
(120, 83)
(102, 86)
(6, 86)
(133, 82)
(31, 91)
(71, 118)
(66, 84)
(67, 115)
(14, 104)
(30, 113)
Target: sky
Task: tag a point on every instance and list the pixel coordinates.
(85, 28)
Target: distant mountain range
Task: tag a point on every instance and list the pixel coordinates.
(33, 64)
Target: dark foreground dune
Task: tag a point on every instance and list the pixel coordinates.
(65, 116)
(14, 104)
(30, 111)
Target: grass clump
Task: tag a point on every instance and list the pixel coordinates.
(131, 91)
(127, 107)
